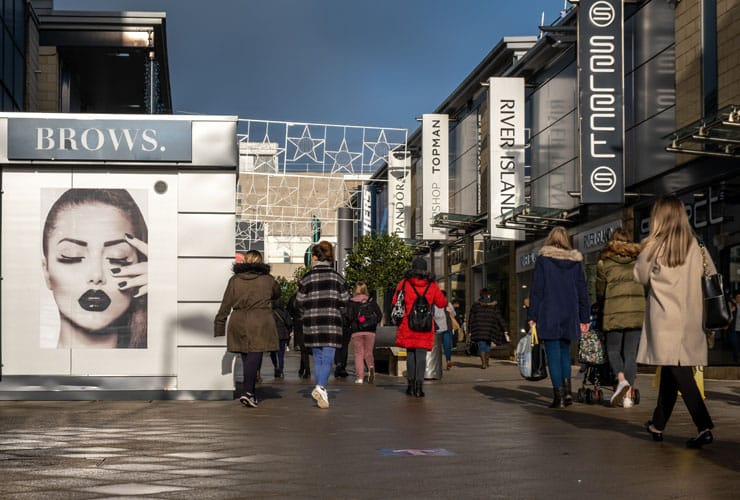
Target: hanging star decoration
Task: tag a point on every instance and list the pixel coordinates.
(380, 148)
(343, 158)
(305, 145)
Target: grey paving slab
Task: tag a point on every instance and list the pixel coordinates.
(491, 432)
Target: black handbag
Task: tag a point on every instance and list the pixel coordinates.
(716, 310)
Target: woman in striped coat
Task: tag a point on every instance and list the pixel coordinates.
(321, 298)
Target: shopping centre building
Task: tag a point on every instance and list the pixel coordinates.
(614, 104)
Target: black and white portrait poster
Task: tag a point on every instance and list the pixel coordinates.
(94, 268)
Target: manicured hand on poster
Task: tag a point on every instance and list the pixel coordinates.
(134, 275)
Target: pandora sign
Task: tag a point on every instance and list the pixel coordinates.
(601, 109)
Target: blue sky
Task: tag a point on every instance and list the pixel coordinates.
(379, 63)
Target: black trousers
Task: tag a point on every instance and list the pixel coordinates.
(672, 380)
(251, 362)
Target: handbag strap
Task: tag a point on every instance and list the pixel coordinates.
(703, 251)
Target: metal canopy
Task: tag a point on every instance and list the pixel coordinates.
(534, 218)
(717, 135)
(458, 222)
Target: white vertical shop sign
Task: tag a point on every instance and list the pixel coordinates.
(506, 147)
(366, 215)
(399, 194)
(435, 173)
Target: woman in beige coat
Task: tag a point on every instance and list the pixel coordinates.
(671, 265)
(252, 331)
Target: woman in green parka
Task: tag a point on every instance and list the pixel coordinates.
(623, 306)
(251, 331)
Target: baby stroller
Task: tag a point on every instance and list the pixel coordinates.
(595, 364)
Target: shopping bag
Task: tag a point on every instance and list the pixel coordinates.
(530, 357)
(591, 348)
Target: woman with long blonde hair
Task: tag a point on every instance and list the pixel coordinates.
(671, 265)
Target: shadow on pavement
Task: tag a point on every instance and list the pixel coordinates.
(722, 453)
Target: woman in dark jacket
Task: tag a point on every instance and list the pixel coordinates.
(321, 299)
(559, 307)
(304, 369)
(417, 343)
(284, 324)
(624, 310)
(486, 325)
(248, 300)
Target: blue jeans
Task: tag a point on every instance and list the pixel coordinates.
(484, 346)
(278, 357)
(447, 344)
(323, 359)
(558, 361)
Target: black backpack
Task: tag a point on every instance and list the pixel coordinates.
(366, 319)
(420, 316)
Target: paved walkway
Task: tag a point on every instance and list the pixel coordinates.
(477, 434)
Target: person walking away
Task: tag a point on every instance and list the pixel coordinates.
(418, 281)
(559, 308)
(671, 265)
(363, 317)
(284, 324)
(486, 325)
(247, 303)
(443, 323)
(322, 296)
(623, 310)
(304, 369)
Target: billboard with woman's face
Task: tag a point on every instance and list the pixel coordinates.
(94, 264)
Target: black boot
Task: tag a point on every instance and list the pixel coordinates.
(410, 388)
(557, 401)
(417, 389)
(567, 393)
(305, 370)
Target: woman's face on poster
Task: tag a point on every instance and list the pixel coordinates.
(85, 247)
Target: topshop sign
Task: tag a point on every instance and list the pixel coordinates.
(601, 108)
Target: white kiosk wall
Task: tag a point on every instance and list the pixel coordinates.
(123, 226)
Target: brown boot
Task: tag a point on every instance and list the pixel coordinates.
(483, 363)
(488, 359)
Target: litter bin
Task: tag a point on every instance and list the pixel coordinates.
(433, 370)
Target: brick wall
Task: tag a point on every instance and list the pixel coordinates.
(48, 80)
(32, 66)
(728, 50)
(688, 62)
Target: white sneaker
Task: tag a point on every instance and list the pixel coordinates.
(628, 403)
(619, 393)
(321, 396)
(358, 381)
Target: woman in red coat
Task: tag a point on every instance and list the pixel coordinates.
(417, 343)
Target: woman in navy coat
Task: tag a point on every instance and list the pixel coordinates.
(559, 307)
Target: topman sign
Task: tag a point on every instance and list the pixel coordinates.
(601, 109)
(69, 139)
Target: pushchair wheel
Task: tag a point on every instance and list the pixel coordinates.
(599, 395)
(579, 395)
(589, 396)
